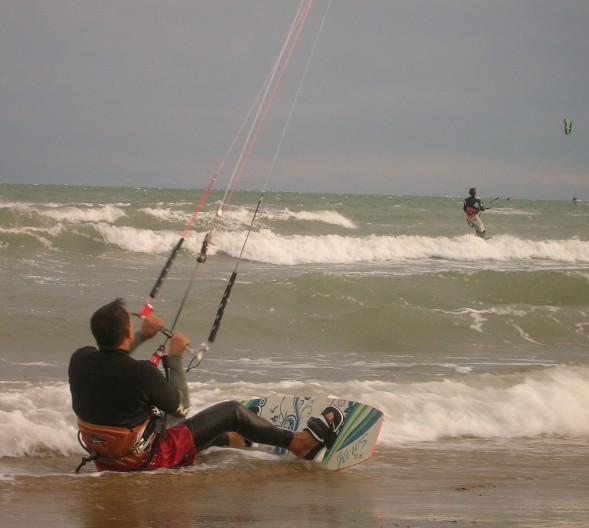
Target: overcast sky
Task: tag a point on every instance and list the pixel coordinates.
(411, 97)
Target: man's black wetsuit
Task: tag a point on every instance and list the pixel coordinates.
(472, 202)
(111, 388)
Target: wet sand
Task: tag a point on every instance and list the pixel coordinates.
(411, 487)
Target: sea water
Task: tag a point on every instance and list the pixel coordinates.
(390, 300)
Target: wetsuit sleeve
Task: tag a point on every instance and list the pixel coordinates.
(157, 390)
(178, 381)
(138, 341)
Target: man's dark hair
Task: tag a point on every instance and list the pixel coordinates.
(109, 323)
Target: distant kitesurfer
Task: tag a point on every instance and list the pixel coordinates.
(118, 401)
(473, 208)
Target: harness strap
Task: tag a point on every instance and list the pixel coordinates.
(85, 460)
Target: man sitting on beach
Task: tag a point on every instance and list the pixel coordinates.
(117, 398)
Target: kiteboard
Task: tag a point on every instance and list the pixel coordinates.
(356, 437)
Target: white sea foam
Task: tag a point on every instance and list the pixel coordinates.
(243, 215)
(289, 250)
(36, 420)
(322, 216)
(166, 213)
(510, 211)
(137, 240)
(44, 235)
(75, 215)
(542, 403)
(268, 247)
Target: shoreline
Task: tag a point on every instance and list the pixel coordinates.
(422, 486)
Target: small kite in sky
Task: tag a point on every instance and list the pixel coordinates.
(568, 126)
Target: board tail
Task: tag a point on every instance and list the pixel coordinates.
(356, 438)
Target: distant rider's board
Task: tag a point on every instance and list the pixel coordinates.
(356, 437)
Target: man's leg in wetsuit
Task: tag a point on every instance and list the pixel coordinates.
(209, 426)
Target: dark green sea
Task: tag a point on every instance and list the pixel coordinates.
(467, 345)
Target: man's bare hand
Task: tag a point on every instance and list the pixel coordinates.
(152, 324)
(178, 344)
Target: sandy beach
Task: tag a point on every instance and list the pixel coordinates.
(412, 487)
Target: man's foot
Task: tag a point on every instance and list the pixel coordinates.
(302, 444)
(324, 428)
(320, 432)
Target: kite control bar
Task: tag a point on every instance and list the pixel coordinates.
(161, 352)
